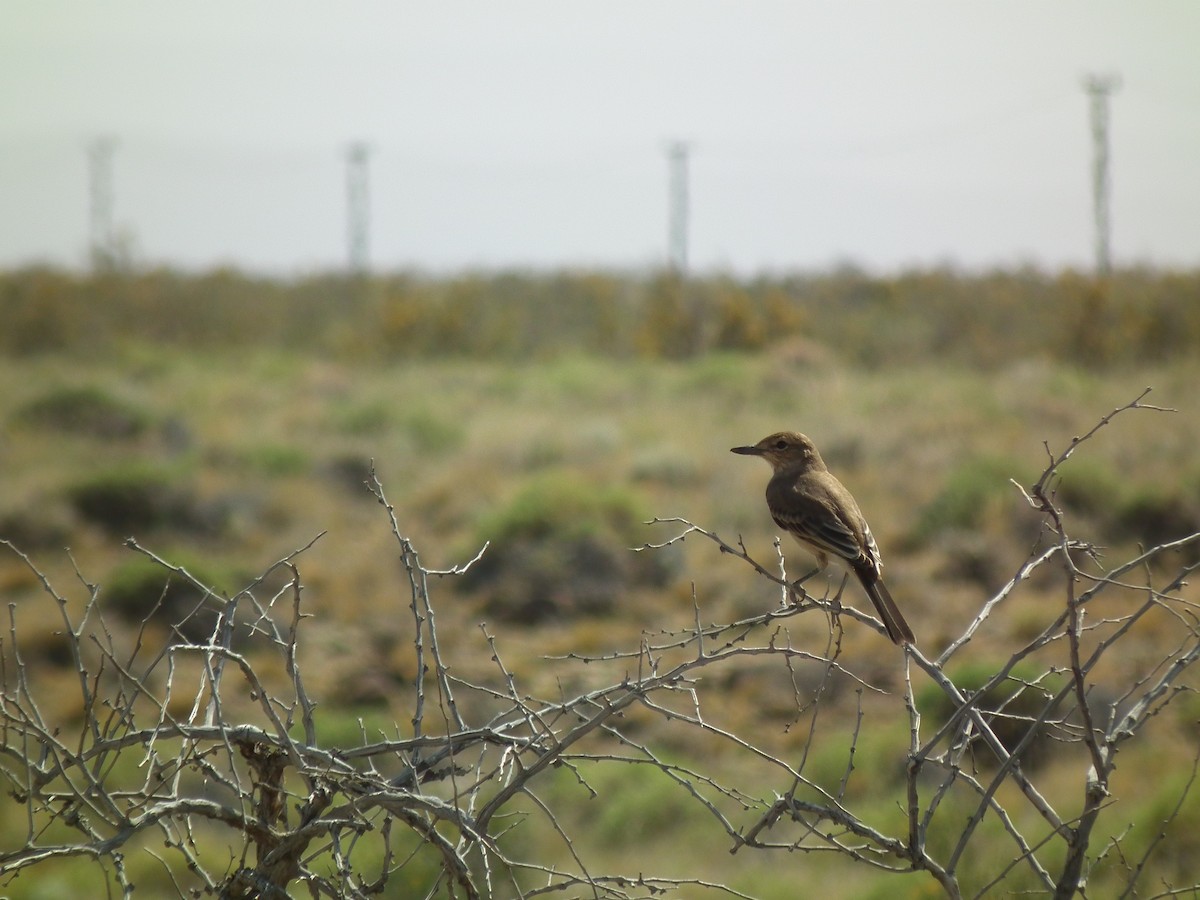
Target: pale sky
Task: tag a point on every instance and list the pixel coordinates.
(889, 134)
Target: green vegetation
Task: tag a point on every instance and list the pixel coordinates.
(139, 496)
(276, 459)
(983, 320)
(1131, 509)
(969, 496)
(89, 411)
(1012, 705)
(140, 590)
(561, 506)
(227, 421)
(431, 432)
(561, 547)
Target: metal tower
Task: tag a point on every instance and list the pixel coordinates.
(677, 221)
(357, 206)
(1098, 88)
(101, 239)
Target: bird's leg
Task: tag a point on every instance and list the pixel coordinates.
(837, 598)
(835, 605)
(807, 575)
(795, 585)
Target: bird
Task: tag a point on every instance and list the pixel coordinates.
(808, 502)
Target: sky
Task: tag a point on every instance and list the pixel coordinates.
(887, 134)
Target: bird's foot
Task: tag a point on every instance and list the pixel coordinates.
(795, 596)
(835, 611)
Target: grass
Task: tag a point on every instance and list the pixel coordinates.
(466, 448)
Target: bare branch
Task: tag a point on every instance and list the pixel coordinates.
(206, 757)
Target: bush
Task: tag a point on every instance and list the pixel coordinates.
(565, 507)
(364, 419)
(982, 320)
(1152, 517)
(561, 547)
(141, 590)
(87, 411)
(276, 459)
(37, 527)
(969, 497)
(1130, 511)
(1089, 487)
(431, 432)
(138, 497)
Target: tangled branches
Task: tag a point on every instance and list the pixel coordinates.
(210, 757)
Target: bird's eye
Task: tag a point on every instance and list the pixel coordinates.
(781, 444)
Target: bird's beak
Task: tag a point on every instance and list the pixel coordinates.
(746, 451)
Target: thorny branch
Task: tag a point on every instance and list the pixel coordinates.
(180, 748)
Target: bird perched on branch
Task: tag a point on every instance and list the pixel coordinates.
(811, 505)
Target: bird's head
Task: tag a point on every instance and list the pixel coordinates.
(785, 450)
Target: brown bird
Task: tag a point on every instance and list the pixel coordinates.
(811, 505)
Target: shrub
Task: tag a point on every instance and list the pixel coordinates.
(1089, 487)
(562, 506)
(88, 411)
(364, 419)
(350, 472)
(431, 432)
(970, 495)
(137, 497)
(561, 547)
(141, 590)
(128, 498)
(276, 459)
(32, 528)
(984, 320)
(1153, 517)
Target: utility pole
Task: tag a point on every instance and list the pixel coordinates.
(357, 206)
(677, 221)
(1098, 88)
(102, 244)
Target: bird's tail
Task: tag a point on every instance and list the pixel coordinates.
(897, 628)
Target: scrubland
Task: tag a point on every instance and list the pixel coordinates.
(224, 422)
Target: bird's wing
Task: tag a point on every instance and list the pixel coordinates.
(872, 548)
(823, 529)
